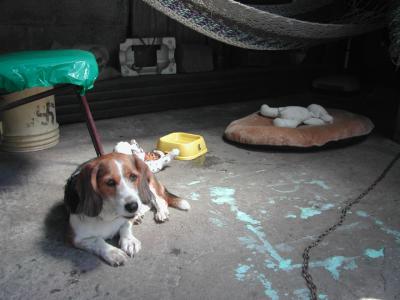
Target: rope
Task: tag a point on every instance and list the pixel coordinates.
(343, 214)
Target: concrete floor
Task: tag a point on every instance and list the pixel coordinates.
(253, 212)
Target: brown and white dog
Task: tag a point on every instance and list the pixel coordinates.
(105, 196)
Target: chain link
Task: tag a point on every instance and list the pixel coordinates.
(306, 253)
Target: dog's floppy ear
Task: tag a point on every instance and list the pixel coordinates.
(146, 176)
(90, 203)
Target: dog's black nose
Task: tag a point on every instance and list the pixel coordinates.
(131, 207)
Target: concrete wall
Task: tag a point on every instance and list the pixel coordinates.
(28, 24)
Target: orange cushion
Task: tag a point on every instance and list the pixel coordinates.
(256, 129)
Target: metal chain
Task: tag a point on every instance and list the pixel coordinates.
(306, 253)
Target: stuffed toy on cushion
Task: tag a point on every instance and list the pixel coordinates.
(155, 160)
(293, 116)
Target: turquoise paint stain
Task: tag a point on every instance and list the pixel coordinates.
(244, 217)
(217, 222)
(270, 265)
(248, 241)
(349, 226)
(266, 247)
(284, 247)
(286, 265)
(351, 265)
(225, 196)
(331, 264)
(372, 253)
(194, 182)
(334, 263)
(222, 196)
(194, 196)
(308, 212)
(392, 232)
(290, 216)
(362, 213)
(304, 294)
(381, 225)
(268, 290)
(215, 212)
(241, 271)
(320, 183)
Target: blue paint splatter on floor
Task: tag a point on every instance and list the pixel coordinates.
(381, 225)
(222, 195)
(290, 216)
(264, 246)
(362, 213)
(308, 212)
(349, 226)
(225, 196)
(194, 196)
(270, 264)
(217, 222)
(241, 216)
(241, 271)
(256, 240)
(268, 290)
(320, 183)
(304, 294)
(284, 247)
(334, 263)
(372, 253)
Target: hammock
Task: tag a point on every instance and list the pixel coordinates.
(273, 27)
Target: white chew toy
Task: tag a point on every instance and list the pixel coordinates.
(154, 165)
(293, 116)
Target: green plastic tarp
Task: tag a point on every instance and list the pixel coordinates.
(27, 69)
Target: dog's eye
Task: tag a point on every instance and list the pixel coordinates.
(110, 182)
(133, 177)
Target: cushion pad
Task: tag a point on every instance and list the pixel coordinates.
(256, 129)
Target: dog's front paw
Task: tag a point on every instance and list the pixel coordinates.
(130, 245)
(115, 257)
(162, 215)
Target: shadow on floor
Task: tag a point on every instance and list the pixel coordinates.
(289, 149)
(55, 243)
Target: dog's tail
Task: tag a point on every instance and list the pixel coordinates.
(176, 202)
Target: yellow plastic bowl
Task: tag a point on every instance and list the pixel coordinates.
(190, 145)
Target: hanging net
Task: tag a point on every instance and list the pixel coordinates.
(299, 24)
(394, 33)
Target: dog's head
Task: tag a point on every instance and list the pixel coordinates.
(114, 184)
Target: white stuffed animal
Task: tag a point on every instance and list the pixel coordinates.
(155, 160)
(293, 116)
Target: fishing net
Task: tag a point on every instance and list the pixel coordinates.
(299, 24)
